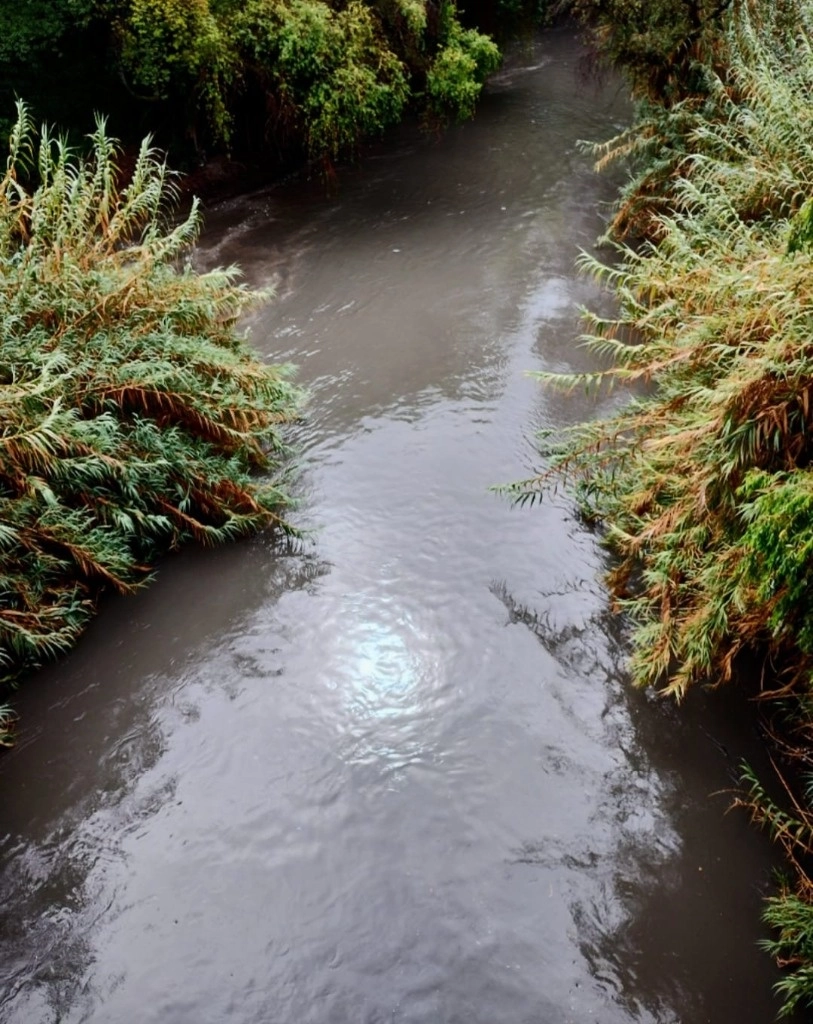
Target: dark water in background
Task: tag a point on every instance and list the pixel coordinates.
(396, 776)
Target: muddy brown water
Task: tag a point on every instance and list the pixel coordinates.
(394, 776)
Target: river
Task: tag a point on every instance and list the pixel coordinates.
(394, 774)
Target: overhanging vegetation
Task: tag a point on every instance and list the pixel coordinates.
(704, 481)
(133, 418)
(271, 81)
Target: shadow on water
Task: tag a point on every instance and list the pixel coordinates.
(65, 825)
(664, 897)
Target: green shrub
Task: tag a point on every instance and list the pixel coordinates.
(704, 480)
(132, 417)
(302, 78)
(456, 75)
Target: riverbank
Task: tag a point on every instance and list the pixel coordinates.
(703, 481)
(135, 417)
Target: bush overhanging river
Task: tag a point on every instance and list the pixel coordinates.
(704, 480)
(133, 415)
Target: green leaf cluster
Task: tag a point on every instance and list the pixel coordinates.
(260, 75)
(790, 913)
(30, 29)
(457, 73)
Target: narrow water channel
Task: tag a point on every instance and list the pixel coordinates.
(395, 775)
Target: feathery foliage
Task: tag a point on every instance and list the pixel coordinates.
(132, 416)
(790, 912)
(704, 480)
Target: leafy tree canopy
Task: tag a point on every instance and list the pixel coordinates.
(275, 77)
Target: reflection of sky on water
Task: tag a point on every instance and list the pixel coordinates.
(388, 674)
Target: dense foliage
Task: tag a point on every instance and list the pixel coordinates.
(132, 417)
(279, 79)
(704, 480)
(662, 45)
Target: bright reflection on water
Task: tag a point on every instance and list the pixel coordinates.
(381, 672)
(388, 675)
